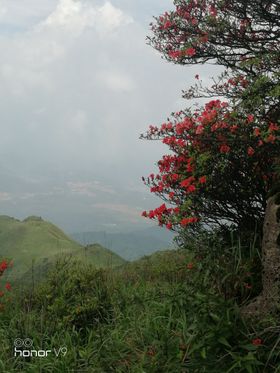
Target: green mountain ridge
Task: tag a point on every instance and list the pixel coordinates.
(34, 244)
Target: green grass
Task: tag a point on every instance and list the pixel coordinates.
(99, 256)
(34, 245)
(173, 311)
(110, 320)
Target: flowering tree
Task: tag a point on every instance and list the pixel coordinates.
(242, 36)
(220, 170)
(224, 156)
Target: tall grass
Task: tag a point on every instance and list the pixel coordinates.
(171, 312)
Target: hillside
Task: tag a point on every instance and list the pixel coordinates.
(99, 256)
(34, 244)
(132, 245)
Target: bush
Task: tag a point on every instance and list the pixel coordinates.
(220, 170)
(75, 295)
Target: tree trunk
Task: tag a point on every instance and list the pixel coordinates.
(268, 300)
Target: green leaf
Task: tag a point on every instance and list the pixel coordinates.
(203, 353)
(223, 341)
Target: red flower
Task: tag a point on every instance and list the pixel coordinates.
(186, 183)
(167, 25)
(2, 293)
(247, 286)
(169, 225)
(190, 265)
(271, 138)
(174, 177)
(233, 128)
(257, 132)
(151, 351)
(174, 54)
(250, 151)
(257, 342)
(3, 266)
(202, 179)
(161, 209)
(199, 130)
(8, 286)
(273, 127)
(250, 118)
(213, 11)
(190, 52)
(224, 149)
(187, 221)
(191, 189)
(144, 213)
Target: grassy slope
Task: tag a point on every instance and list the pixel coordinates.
(36, 242)
(130, 246)
(133, 305)
(154, 315)
(99, 256)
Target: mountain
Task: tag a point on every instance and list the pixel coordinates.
(130, 246)
(34, 244)
(99, 256)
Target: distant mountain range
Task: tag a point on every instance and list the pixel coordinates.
(34, 245)
(130, 246)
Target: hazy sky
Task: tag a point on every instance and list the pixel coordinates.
(78, 85)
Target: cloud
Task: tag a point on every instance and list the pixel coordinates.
(116, 81)
(129, 213)
(4, 196)
(78, 85)
(89, 188)
(19, 15)
(76, 16)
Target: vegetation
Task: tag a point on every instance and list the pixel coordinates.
(185, 310)
(220, 171)
(35, 245)
(163, 313)
(131, 245)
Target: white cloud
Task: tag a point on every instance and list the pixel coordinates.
(89, 188)
(108, 18)
(78, 85)
(75, 16)
(116, 81)
(23, 14)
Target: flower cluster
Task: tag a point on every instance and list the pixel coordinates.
(224, 30)
(220, 167)
(4, 265)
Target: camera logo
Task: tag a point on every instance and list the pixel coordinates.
(24, 348)
(23, 342)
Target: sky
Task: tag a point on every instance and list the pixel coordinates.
(78, 85)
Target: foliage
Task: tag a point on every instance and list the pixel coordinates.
(226, 31)
(82, 299)
(222, 167)
(171, 312)
(36, 245)
(224, 154)
(242, 36)
(4, 289)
